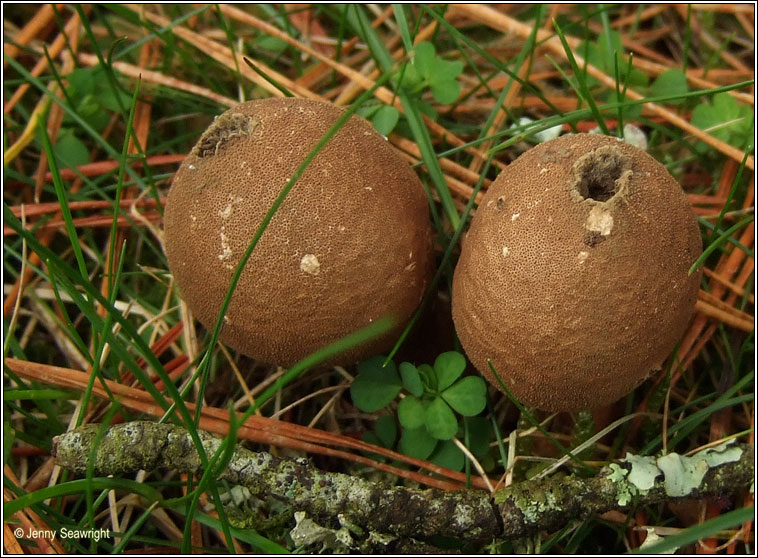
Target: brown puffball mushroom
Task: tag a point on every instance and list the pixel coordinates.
(350, 244)
(573, 278)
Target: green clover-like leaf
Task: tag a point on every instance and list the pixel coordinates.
(385, 119)
(386, 430)
(445, 70)
(440, 420)
(416, 442)
(725, 119)
(448, 367)
(446, 92)
(410, 412)
(428, 377)
(375, 386)
(717, 118)
(70, 149)
(480, 435)
(448, 455)
(468, 396)
(670, 82)
(423, 59)
(411, 379)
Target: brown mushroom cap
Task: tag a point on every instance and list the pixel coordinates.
(350, 244)
(573, 278)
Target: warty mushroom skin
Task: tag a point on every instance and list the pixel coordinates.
(351, 242)
(573, 277)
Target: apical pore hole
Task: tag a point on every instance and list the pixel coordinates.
(601, 174)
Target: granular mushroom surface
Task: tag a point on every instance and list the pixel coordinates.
(350, 244)
(573, 277)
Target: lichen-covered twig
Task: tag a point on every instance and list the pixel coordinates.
(126, 448)
(550, 503)
(513, 512)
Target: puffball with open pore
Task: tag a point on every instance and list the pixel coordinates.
(350, 244)
(573, 277)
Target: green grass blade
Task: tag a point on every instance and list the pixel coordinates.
(498, 64)
(80, 122)
(705, 224)
(286, 92)
(565, 451)
(361, 25)
(684, 427)
(398, 10)
(67, 324)
(245, 535)
(716, 243)
(133, 528)
(78, 487)
(583, 91)
(63, 200)
(375, 329)
(36, 394)
(120, 186)
(732, 191)
(216, 464)
(693, 534)
(70, 278)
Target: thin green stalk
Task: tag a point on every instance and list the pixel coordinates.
(83, 124)
(703, 530)
(216, 465)
(705, 224)
(582, 90)
(398, 10)
(76, 487)
(98, 354)
(120, 186)
(268, 78)
(473, 45)
(732, 191)
(66, 323)
(565, 451)
(133, 528)
(415, 119)
(687, 40)
(442, 267)
(715, 244)
(63, 200)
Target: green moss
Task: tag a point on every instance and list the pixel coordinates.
(536, 499)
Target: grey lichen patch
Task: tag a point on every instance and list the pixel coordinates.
(307, 533)
(682, 475)
(625, 491)
(225, 128)
(644, 471)
(720, 454)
